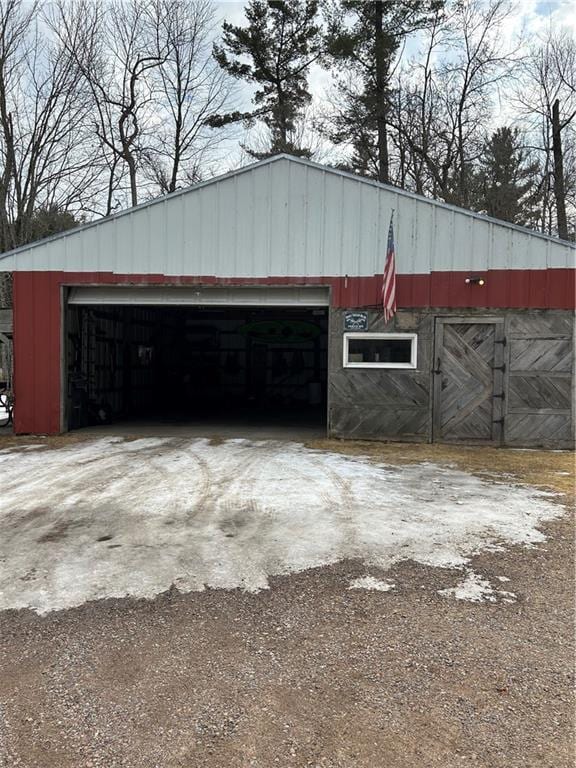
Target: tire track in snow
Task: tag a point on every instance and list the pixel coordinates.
(231, 515)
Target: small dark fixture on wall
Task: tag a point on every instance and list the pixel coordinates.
(475, 280)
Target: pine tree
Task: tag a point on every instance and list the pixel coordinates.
(273, 52)
(362, 41)
(49, 220)
(507, 180)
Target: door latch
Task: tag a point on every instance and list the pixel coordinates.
(499, 367)
(437, 369)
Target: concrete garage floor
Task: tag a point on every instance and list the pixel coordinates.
(344, 604)
(225, 428)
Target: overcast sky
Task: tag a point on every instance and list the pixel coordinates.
(531, 15)
(529, 18)
(533, 12)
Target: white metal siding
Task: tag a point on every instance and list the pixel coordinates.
(286, 218)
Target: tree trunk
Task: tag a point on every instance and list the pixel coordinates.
(177, 144)
(282, 123)
(381, 105)
(133, 179)
(559, 191)
(5, 290)
(175, 166)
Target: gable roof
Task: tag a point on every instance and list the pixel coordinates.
(281, 216)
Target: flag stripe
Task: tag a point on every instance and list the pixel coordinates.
(389, 277)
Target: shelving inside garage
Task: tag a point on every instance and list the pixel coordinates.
(141, 362)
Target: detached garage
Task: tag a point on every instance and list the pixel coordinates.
(256, 298)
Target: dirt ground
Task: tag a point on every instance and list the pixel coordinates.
(310, 672)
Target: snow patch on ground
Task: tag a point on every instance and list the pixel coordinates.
(113, 517)
(369, 582)
(477, 589)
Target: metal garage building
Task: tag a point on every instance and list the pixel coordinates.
(256, 295)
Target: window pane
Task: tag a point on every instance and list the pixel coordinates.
(379, 350)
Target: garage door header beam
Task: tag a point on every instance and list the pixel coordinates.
(201, 296)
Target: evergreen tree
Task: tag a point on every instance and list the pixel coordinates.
(273, 52)
(49, 220)
(507, 184)
(362, 40)
(45, 221)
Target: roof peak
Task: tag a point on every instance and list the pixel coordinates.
(297, 161)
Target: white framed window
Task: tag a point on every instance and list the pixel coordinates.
(380, 350)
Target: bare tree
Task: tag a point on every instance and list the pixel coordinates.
(189, 88)
(45, 152)
(546, 101)
(153, 84)
(425, 152)
(46, 158)
(448, 98)
(114, 47)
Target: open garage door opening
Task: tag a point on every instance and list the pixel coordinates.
(203, 366)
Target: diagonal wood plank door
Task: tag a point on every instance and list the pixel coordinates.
(468, 381)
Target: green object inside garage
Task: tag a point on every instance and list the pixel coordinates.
(184, 363)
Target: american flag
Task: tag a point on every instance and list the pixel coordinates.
(389, 282)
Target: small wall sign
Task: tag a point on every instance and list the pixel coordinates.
(355, 321)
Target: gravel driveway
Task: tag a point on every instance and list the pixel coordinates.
(331, 605)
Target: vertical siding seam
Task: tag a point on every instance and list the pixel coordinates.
(414, 221)
(323, 255)
(266, 270)
(287, 207)
(130, 260)
(398, 225)
(205, 234)
(165, 234)
(305, 223)
(418, 235)
(358, 259)
(80, 256)
(251, 237)
(433, 237)
(452, 242)
(235, 267)
(342, 258)
(189, 247)
(216, 254)
(490, 254)
(114, 243)
(98, 248)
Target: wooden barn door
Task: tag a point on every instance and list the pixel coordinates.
(468, 380)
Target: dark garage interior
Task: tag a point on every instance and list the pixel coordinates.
(190, 364)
